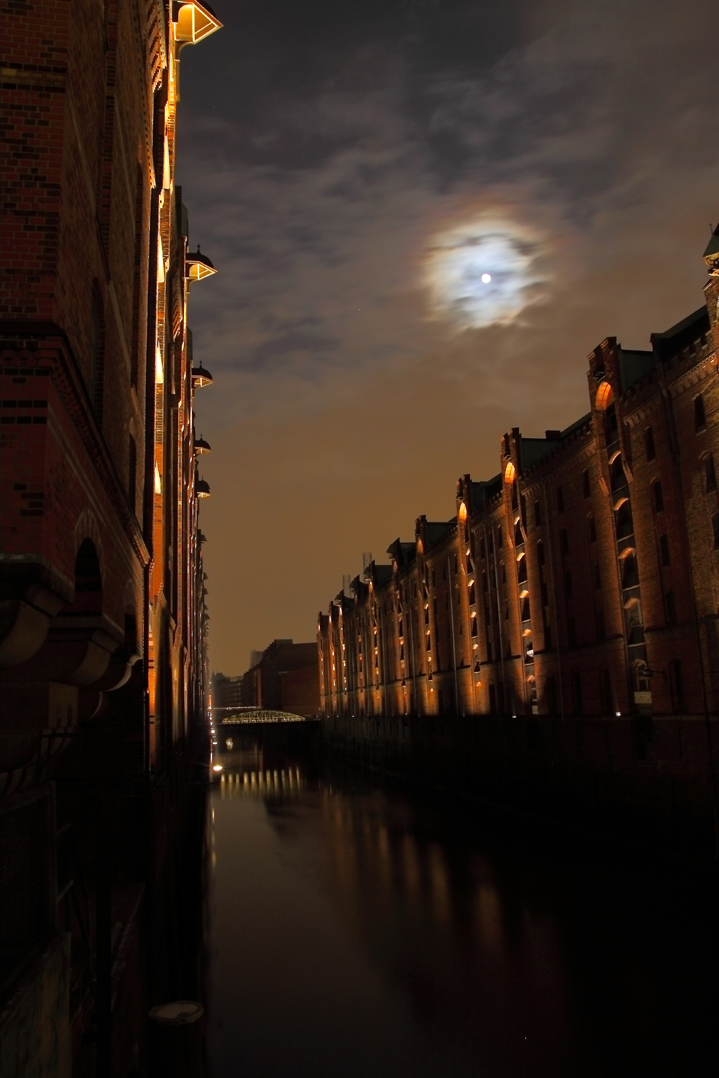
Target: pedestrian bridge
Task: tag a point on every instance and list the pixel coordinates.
(258, 716)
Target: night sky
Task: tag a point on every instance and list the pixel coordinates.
(352, 170)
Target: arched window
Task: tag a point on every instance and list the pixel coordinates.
(617, 475)
(88, 582)
(700, 420)
(625, 525)
(611, 427)
(630, 574)
(522, 569)
(657, 496)
(710, 479)
(649, 443)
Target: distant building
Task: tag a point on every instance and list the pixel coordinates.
(226, 691)
(580, 581)
(284, 679)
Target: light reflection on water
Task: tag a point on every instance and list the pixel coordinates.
(358, 931)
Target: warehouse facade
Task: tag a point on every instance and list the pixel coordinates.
(579, 585)
(102, 656)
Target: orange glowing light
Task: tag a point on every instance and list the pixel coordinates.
(603, 397)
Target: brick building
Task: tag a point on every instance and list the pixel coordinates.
(284, 678)
(102, 653)
(579, 585)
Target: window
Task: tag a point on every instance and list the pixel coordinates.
(552, 695)
(537, 514)
(518, 536)
(709, 473)
(572, 632)
(617, 475)
(658, 496)
(564, 542)
(560, 500)
(611, 430)
(585, 483)
(471, 596)
(523, 509)
(649, 444)
(625, 525)
(577, 703)
(664, 549)
(592, 528)
(482, 549)
(601, 629)
(548, 637)
(715, 527)
(630, 574)
(597, 577)
(677, 683)
(700, 419)
(568, 585)
(522, 571)
(525, 609)
(514, 496)
(545, 594)
(474, 626)
(605, 692)
(671, 608)
(540, 553)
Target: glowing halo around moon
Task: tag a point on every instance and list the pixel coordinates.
(482, 272)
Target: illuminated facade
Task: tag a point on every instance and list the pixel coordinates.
(580, 584)
(102, 652)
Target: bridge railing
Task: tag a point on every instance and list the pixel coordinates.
(255, 716)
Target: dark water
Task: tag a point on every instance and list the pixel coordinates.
(363, 930)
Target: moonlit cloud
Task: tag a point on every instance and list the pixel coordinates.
(481, 272)
(352, 172)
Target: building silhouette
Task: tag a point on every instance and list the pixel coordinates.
(102, 623)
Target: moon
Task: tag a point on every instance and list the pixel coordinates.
(482, 272)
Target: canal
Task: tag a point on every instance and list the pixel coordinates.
(360, 929)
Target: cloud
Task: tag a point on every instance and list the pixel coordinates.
(592, 135)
